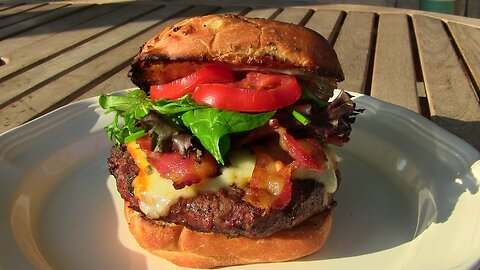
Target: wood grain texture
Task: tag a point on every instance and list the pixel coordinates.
(17, 9)
(115, 82)
(292, 15)
(325, 23)
(353, 47)
(468, 41)
(120, 80)
(57, 11)
(27, 14)
(393, 70)
(4, 6)
(379, 10)
(46, 98)
(40, 74)
(452, 101)
(35, 36)
(262, 12)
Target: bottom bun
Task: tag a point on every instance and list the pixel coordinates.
(188, 248)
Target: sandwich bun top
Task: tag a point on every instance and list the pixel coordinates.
(237, 41)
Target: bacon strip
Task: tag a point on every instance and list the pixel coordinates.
(182, 171)
(271, 182)
(306, 153)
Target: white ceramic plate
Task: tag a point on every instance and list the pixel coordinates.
(408, 200)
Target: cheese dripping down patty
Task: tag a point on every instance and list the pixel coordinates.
(156, 194)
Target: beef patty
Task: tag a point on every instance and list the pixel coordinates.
(224, 211)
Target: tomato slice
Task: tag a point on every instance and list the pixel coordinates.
(257, 92)
(210, 73)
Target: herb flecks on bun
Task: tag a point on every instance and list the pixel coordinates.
(223, 151)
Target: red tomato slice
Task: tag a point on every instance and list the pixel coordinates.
(257, 92)
(207, 74)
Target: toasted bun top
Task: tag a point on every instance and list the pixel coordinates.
(245, 42)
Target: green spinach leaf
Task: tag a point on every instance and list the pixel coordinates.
(212, 126)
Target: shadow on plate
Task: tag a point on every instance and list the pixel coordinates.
(400, 173)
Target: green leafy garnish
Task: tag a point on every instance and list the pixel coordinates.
(310, 97)
(211, 126)
(134, 106)
(301, 118)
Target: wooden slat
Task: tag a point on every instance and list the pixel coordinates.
(120, 80)
(468, 40)
(325, 23)
(393, 70)
(292, 15)
(51, 45)
(353, 49)
(4, 6)
(115, 82)
(18, 9)
(35, 36)
(233, 10)
(28, 14)
(452, 101)
(43, 18)
(47, 96)
(262, 12)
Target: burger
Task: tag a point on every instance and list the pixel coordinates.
(223, 154)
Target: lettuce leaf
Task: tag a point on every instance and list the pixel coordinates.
(210, 125)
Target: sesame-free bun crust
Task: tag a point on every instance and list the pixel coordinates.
(188, 248)
(237, 41)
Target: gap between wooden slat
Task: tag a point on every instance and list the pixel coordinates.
(326, 23)
(29, 14)
(451, 97)
(4, 7)
(421, 93)
(466, 42)
(18, 9)
(14, 46)
(292, 15)
(46, 98)
(122, 50)
(393, 78)
(42, 19)
(22, 84)
(118, 80)
(262, 12)
(353, 47)
(371, 55)
(275, 14)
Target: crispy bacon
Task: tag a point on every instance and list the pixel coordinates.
(307, 153)
(271, 183)
(182, 171)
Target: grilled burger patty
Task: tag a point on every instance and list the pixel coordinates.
(224, 211)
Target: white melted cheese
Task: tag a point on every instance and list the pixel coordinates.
(156, 194)
(327, 178)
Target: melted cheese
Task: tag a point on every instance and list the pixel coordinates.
(156, 194)
(327, 178)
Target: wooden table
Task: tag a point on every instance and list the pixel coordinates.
(57, 53)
